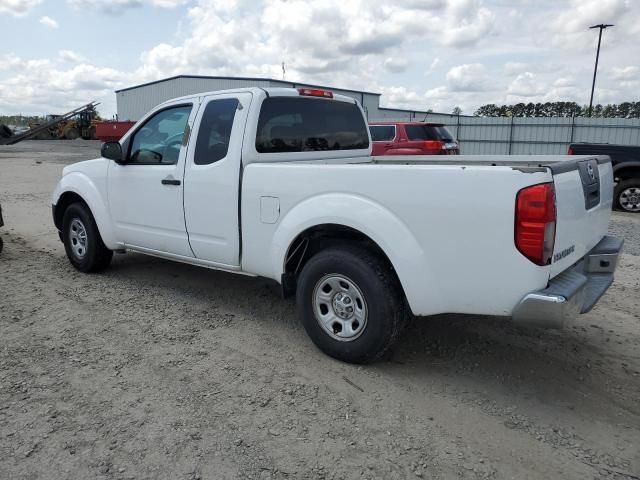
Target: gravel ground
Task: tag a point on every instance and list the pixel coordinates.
(627, 226)
(160, 370)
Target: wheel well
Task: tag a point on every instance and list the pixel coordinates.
(66, 199)
(626, 173)
(317, 238)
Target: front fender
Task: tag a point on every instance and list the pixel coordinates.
(382, 226)
(82, 185)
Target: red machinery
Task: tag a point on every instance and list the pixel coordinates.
(112, 131)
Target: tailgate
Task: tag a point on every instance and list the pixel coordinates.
(584, 195)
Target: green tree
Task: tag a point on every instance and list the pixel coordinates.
(559, 109)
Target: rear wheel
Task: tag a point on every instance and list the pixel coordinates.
(627, 195)
(82, 242)
(350, 303)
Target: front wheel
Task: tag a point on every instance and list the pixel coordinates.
(71, 133)
(350, 303)
(82, 240)
(627, 195)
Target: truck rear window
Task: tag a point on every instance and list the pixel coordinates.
(292, 124)
(382, 133)
(428, 132)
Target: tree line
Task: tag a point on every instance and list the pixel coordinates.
(560, 109)
(20, 120)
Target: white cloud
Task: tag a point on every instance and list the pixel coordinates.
(396, 64)
(9, 61)
(564, 82)
(113, 7)
(570, 29)
(331, 42)
(117, 7)
(515, 68)
(70, 56)
(18, 8)
(168, 3)
(40, 86)
(403, 97)
(48, 22)
(469, 77)
(470, 23)
(441, 53)
(630, 72)
(434, 64)
(526, 84)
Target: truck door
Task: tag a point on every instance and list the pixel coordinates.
(145, 194)
(212, 178)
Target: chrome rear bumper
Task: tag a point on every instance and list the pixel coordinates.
(574, 291)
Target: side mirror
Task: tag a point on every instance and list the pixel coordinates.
(112, 151)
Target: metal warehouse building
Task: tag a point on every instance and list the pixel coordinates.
(134, 102)
(477, 135)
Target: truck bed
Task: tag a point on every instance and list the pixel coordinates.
(533, 163)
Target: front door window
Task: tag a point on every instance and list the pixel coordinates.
(159, 140)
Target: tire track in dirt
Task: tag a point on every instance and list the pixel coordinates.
(155, 370)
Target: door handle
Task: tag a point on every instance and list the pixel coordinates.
(170, 181)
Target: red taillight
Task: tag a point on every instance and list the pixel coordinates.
(434, 147)
(536, 222)
(315, 92)
(570, 151)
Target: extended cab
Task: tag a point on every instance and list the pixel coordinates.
(280, 183)
(412, 138)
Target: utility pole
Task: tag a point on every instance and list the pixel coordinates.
(602, 26)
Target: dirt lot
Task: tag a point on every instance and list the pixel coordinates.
(159, 370)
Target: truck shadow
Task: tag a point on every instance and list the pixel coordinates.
(579, 367)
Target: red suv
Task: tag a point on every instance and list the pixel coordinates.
(412, 138)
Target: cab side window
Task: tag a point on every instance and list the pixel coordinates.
(382, 133)
(159, 140)
(215, 131)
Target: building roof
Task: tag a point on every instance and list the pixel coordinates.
(286, 83)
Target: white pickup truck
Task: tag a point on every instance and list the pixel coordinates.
(280, 183)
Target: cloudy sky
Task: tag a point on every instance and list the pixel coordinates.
(422, 54)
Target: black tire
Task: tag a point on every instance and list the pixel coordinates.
(621, 195)
(93, 255)
(71, 133)
(1, 244)
(381, 292)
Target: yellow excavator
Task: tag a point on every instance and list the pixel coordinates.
(77, 123)
(82, 125)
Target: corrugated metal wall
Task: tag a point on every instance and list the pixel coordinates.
(536, 136)
(135, 102)
(477, 135)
